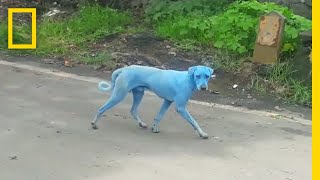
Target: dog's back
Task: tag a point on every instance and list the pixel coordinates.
(164, 83)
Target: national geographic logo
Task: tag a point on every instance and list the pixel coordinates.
(33, 44)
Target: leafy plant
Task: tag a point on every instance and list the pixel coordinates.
(234, 29)
(196, 30)
(160, 10)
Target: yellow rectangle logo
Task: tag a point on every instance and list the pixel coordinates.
(33, 44)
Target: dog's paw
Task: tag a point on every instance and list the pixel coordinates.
(94, 126)
(143, 125)
(155, 129)
(204, 136)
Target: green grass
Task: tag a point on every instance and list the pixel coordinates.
(258, 85)
(103, 57)
(227, 61)
(3, 36)
(301, 94)
(279, 81)
(281, 72)
(71, 36)
(21, 34)
(22, 30)
(90, 24)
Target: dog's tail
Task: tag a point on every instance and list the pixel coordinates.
(104, 86)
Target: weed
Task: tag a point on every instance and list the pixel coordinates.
(280, 81)
(21, 34)
(3, 35)
(300, 94)
(63, 38)
(188, 45)
(280, 73)
(100, 58)
(258, 85)
(90, 24)
(229, 62)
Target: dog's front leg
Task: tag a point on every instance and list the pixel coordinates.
(166, 104)
(185, 114)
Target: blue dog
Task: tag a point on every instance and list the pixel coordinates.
(170, 85)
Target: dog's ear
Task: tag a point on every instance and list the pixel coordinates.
(191, 70)
(210, 70)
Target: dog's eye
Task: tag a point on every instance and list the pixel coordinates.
(206, 76)
(198, 76)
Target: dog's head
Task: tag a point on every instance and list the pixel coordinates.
(201, 76)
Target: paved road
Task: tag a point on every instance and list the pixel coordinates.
(45, 135)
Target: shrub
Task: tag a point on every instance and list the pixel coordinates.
(160, 10)
(234, 29)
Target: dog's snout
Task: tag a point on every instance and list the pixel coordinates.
(203, 87)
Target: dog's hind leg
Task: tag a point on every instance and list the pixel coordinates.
(137, 97)
(165, 106)
(117, 96)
